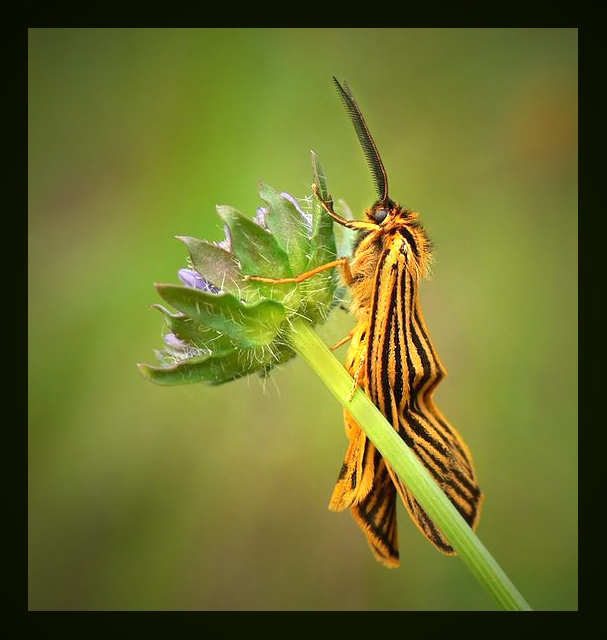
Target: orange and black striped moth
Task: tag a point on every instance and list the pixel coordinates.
(392, 358)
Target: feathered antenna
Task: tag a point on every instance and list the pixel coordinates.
(366, 141)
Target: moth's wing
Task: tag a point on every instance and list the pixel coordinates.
(401, 372)
(364, 484)
(356, 475)
(357, 471)
(376, 515)
(457, 478)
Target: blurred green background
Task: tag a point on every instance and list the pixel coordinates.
(145, 497)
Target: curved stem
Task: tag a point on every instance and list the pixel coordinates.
(406, 464)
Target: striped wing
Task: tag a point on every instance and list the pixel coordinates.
(375, 514)
(364, 483)
(402, 371)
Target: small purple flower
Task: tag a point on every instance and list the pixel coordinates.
(172, 341)
(193, 279)
(260, 217)
(177, 350)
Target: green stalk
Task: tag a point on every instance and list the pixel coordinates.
(436, 504)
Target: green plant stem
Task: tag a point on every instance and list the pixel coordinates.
(436, 504)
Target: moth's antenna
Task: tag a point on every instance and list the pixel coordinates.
(366, 141)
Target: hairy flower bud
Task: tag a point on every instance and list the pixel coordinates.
(225, 326)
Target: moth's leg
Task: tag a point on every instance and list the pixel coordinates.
(327, 205)
(342, 341)
(358, 375)
(343, 263)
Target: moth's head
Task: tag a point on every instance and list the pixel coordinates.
(382, 211)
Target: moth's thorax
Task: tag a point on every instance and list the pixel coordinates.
(398, 239)
(399, 231)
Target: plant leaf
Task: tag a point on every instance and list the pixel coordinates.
(213, 368)
(250, 243)
(319, 178)
(215, 264)
(191, 332)
(288, 226)
(246, 325)
(259, 255)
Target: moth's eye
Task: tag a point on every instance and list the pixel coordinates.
(379, 215)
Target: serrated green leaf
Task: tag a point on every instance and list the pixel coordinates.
(213, 368)
(323, 239)
(246, 325)
(187, 329)
(259, 255)
(257, 250)
(288, 226)
(319, 178)
(215, 264)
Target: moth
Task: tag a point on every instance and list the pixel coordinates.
(391, 357)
